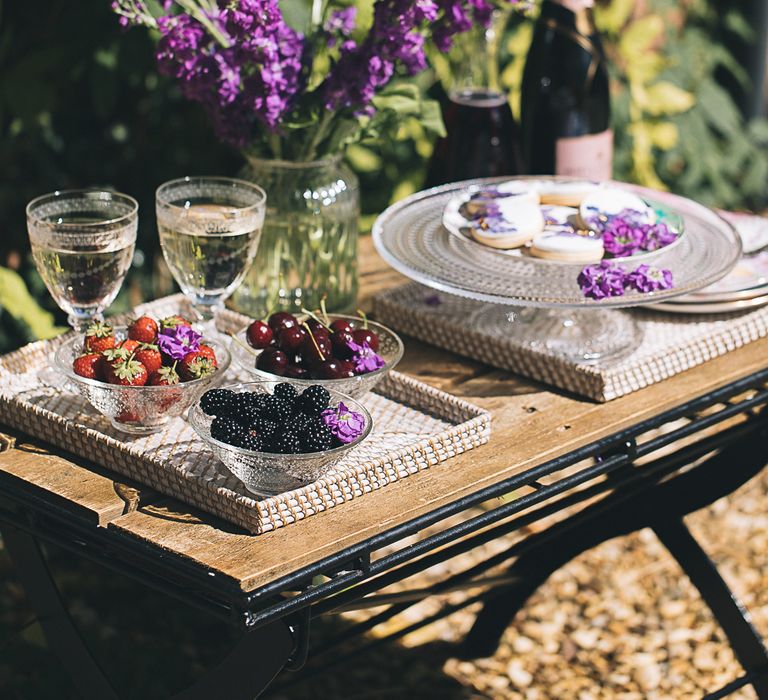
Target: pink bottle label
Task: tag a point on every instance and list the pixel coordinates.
(586, 156)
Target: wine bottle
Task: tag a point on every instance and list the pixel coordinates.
(565, 108)
(482, 139)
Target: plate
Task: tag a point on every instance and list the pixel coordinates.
(411, 237)
(711, 308)
(456, 224)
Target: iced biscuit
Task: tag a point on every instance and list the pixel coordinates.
(514, 223)
(480, 201)
(602, 206)
(566, 245)
(560, 217)
(565, 194)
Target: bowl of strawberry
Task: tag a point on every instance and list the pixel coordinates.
(276, 437)
(142, 375)
(349, 354)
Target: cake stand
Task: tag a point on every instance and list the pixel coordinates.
(540, 299)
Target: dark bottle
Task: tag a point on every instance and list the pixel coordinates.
(482, 139)
(565, 100)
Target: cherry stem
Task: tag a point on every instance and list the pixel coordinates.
(314, 317)
(364, 317)
(242, 344)
(314, 342)
(322, 308)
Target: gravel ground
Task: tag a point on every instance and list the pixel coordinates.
(620, 621)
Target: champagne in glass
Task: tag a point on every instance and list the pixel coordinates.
(82, 244)
(209, 232)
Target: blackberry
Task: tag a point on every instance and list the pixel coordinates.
(317, 437)
(256, 399)
(264, 427)
(251, 441)
(299, 421)
(216, 402)
(244, 413)
(314, 399)
(277, 408)
(226, 430)
(285, 391)
(287, 442)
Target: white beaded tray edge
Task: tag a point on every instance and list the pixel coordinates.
(670, 343)
(469, 426)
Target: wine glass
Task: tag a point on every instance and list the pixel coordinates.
(209, 232)
(82, 244)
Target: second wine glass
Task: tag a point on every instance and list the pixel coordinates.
(209, 232)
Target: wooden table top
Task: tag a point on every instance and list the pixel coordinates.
(531, 424)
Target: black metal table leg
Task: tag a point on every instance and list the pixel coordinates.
(747, 644)
(60, 631)
(243, 675)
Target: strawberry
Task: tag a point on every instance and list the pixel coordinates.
(143, 329)
(127, 373)
(129, 345)
(165, 376)
(88, 366)
(149, 356)
(207, 351)
(173, 322)
(195, 366)
(99, 336)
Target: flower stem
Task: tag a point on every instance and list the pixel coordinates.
(310, 153)
(194, 9)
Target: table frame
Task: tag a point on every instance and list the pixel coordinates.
(282, 610)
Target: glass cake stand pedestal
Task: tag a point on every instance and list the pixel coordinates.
(540, 301)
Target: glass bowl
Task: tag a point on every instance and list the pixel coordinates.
(390, 349)
(270, 473)
(139, 410)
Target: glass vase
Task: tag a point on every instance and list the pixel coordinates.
(308, 248)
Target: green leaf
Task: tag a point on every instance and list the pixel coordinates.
(432, 117)
(718, 107)
(666, 98)
(297, 14)
(363, 159)
(19, 303)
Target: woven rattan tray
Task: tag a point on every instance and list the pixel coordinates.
(415, 427)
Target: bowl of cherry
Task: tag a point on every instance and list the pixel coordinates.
(348, 354)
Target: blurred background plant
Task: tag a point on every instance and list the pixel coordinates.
(81, 104)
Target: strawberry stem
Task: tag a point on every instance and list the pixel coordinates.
(314, 342)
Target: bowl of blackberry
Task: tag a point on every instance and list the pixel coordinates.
(349, 354)
(275, 437)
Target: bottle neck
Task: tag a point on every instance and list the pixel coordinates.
(575, 15)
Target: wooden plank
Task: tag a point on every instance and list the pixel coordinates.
(531, 424)
(87, 490)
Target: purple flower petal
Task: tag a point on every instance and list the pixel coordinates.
(345, 425)
(603, 280)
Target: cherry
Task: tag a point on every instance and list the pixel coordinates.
(291, 339)
(296, 372)
(341, 324)
(340, 341)
(365, 335)
(259, 335)
(309, 351)
(347, 368)
(281, 320)
(329, 369)
(273, 361)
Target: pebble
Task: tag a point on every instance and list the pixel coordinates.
(518, 676)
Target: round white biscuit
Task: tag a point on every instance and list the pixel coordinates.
(566, 245)
(600, 206)
(559, 217)
(565, 194)
(520, 220)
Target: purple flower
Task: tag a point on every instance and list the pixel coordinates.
(340, 24)
(365, 358)
(345, 425)
(606, 279)
(621, 238)
(650, 279)
(178, 342)
(657, 236)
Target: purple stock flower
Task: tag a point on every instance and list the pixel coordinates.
(657, 236)
(365, 358)
(345, 425)
(340, 24)
(621, 238)
(606, 279)
(650, 279)
(178, 342)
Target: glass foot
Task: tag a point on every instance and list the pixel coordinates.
(134, 429)
(586, 336)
